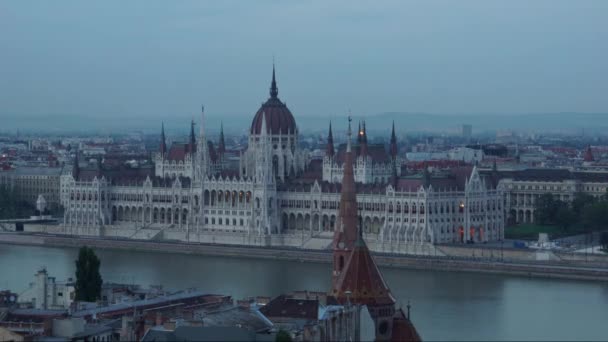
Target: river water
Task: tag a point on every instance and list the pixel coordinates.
(445, 305)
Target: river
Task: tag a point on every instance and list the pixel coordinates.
(445, 305)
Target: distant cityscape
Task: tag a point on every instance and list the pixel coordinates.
(509, 203)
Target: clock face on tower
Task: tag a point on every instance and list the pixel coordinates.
(341, 244)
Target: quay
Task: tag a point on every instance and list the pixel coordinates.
(527, 268)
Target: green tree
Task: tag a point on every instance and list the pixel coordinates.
(283, 336)
(545, 208)
(595, 216)
(580, 201)
(88, 278)
(564, 216)
(11, 206)
(604, 241)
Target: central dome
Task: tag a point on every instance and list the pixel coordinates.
(279, 119)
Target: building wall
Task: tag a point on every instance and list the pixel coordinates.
(233, 206)
(46, 293)
(31, 182)
(520, 196)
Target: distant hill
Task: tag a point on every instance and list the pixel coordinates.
(556, 122)
(590, 123)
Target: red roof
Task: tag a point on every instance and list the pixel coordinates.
(363, 279)
(588, 155)
(279, 119)
(375, 151)
(403, 329)
(178, 152)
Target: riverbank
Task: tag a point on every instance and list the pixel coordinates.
(527, 269)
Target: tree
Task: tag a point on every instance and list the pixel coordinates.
(580, 201)
(604, 241)
(88, 278)
(11, 206)
(283, 336)
(595, 216)
(565, 216)
(545, 208)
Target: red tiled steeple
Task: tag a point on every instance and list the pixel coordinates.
(362, 279)
(345, 234)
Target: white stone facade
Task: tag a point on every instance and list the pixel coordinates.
(265, 203)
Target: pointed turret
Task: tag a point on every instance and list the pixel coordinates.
(274, 91)
(359, 134)
(393, 147)
(329, 150)
(163, 141)
(192, 142)
(221, 146)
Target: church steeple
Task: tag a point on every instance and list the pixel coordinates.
(274, 91)
(345, 234)
(329, 150)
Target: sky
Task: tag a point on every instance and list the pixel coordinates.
(163, 59)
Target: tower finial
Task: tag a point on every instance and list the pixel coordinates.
(274, 91)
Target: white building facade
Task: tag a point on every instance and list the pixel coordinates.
(278, 196)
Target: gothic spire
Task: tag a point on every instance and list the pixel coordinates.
(274, 91)
(163, 141)
(346, 231)
(221, 146)
(393, 146)
(192, 139)
(330, 143)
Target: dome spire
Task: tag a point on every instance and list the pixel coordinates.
(274, 91)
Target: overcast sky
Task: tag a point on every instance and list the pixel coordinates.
(161, 59)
